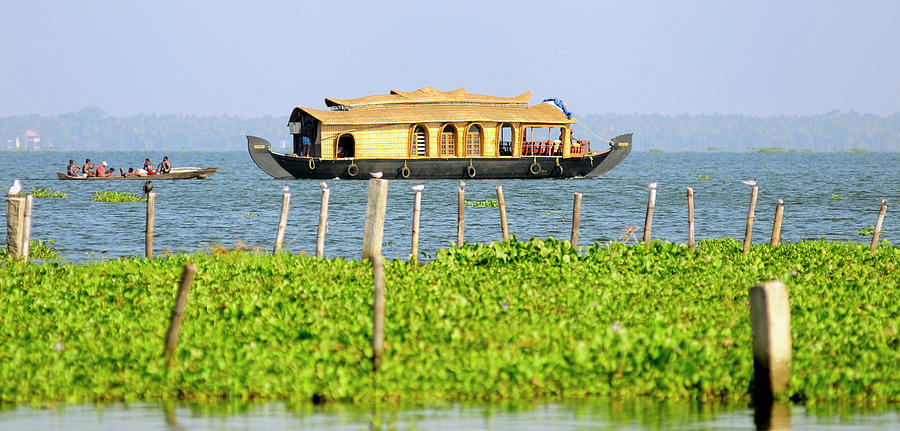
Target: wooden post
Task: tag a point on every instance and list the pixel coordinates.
(26, 228)
(503, 228)
(187, 277)
(648, 219)
(323, 220)
(690, 200)
(460, 218)
(378, 311)
(375, 210)
(282, 221)
(776, 225)
(417, 209)
(15, 220)
(576, 219)
(151, 212)
(770, 319)
(750, 213)
(878, 223)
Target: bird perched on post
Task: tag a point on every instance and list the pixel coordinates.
(462, 184)
(16, 188)
(285, 189)
(323, 185)
(418, 188)
(376, 175)
(652, 186)
(148, 187)
(750, 183)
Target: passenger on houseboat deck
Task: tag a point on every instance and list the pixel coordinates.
(149, 167)
(72, 169)
(164, 166)
(86, 169)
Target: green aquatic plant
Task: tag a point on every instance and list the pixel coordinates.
(248, 214)
(774, 150)
(107, 196)
(704, 177)
(47, 193)
(655, 150)
(866, 231)
(38, 249)
(836, 196)
(484, 203)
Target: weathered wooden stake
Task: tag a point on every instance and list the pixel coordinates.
(690, 200)
(151, 213)
(323, 220)
(750, 213)
(282, 221)
(187, 277)
(776, 225)
(15, 220)
(378, 311)
(648, 220)
(417, 209)
(375, 210)
(461, 205)
(26, 228)
(576, 219)
(877, 232)
(770, 319)
(503, 228)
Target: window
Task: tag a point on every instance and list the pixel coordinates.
(473, 140)
(448, 140)
(418, 141)
(506, 140)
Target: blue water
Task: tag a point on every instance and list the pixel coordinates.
(827, 195)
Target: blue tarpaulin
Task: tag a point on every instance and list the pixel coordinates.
(562, 105)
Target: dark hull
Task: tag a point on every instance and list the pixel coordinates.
(282, 166)
(185, 175)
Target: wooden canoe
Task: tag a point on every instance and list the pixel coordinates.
(176, 174)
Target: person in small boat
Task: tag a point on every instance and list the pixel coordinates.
(130, 172)
(148, 166)
(86, 168)
(101, 170)
(72, 169)
(164, 166)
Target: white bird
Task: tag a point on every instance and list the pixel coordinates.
(375, 175)
(418, 188)
(652, 186)
(323, 185)
(780, 201)
(462, 183)
(16, 188)
(286, 189)
(750, 183)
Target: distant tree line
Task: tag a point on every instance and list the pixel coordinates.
(92, 129)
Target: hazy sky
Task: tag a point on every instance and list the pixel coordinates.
(253, 58)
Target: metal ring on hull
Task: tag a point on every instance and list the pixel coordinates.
(312, 164)
(353, 170)
(470, 171)
(404, 172)
(535, 168)
(558, 170)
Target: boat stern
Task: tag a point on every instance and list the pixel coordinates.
(261, 154)
(619, 149)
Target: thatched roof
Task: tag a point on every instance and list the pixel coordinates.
(428, 95)
(427, 105)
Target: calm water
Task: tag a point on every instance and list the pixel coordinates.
(830, 196)
(572, 416)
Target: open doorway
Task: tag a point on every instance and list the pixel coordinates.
(346, 146)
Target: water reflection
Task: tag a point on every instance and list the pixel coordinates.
(574, 415)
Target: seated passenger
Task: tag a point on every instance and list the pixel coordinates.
(148, 167)
(164, 166)
(72, 169)
(101, 170)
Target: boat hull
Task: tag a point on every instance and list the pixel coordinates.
(183, 175)
(283, 166)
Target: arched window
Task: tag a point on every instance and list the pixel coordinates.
(418, 142)
(474, 137)
(448, 140)
(346, 146)
(505, 143)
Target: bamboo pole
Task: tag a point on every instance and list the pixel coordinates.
(282, 221)
(770, 319)
(460, 213)
(504, 230)
(375, 211)
(690, 202)
(26, 228)
(754, 192)
(776, 225)
(576, 219)
(323, 220)
(377, 311)
(417, 210)
(648, 219)
(15, 219)
(187, 277)
(878, 224)
(148, 230)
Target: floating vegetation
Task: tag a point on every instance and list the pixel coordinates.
(857, 150)
(47, 193)
(704, 177)
(485, 203)
(655, 150)
(713, 149)
(38, 249)
(867, 231)
(248, 214)
(836, 196)
(774, 150)
(105, 196)
(533, 320)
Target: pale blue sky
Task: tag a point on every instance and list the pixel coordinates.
(254, 58)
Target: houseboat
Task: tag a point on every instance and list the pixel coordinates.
(433, 134)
